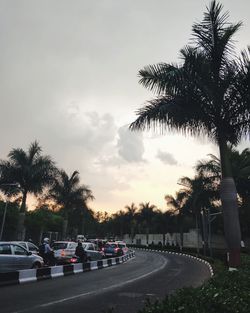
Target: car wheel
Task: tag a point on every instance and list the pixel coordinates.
(36, 265)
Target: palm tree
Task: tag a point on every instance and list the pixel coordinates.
(240, 162)
(177, 204)
(207, 94)
(68, 194)
(130, 213)
(146, 214)
(241, 173)
(200, 194)
(31, 171)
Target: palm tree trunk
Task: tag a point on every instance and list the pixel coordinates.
(21, 219)
(197, 233)
(64, 228)
(230, 207)
(181, 230)
(83, 226)
(20, 227)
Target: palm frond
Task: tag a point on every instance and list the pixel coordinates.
(161, 78)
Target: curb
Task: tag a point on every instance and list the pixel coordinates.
(182, 254)
(34, 275)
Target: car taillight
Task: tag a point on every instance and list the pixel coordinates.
(63, 253)
(102, 249)
(73, 260)
(116, 249)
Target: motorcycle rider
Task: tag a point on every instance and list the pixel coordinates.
(47, 252)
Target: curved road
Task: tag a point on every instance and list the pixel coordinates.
(123, 287)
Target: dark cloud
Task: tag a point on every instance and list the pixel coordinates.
(166, 158)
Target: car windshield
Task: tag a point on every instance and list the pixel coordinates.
(121, 245)
(110, 245)
(59, 245)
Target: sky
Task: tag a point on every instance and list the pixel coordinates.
(69, 79)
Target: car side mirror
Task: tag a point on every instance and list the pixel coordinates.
(29, 253)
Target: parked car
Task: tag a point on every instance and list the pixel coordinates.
(14, 257)
(81, 238)
(28, 246)
(93, 253)
(64, 251)
(123, 246)
(112, 249)
(98, 242)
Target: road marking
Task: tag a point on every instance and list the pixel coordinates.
(94, 292)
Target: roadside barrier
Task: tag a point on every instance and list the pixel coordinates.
(31, 275)
(181, 254)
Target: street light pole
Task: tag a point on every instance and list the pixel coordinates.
(5, 208)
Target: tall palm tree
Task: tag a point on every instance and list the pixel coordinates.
(31, 171)
(208, 93)
(69, 195)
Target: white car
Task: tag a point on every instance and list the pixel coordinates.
(64, 251)
(14, 257)
(28, 246)
(92, 252)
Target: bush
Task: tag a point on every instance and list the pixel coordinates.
(227, 292)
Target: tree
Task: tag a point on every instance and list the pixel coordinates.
(130, 214)
(241, 173)
(207, 94)
(31, 171)
(177, 204)
(146, 215)
(42, 220)
(200, 194)
(68, 194)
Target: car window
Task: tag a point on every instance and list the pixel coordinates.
(59, 245)
(91, 247)
(5, 249)
(19, 250)
(32, 247)
(72, 245)
(22, 244)
(120, 245)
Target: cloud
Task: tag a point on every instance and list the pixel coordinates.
(166, 158)
(130, 145)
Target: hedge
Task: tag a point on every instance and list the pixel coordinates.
(226, 292)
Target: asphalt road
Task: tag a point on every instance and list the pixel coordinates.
(123, 287)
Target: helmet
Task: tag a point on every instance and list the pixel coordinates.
(46, 240)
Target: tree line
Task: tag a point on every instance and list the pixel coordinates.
(63, 208)
(31, 172)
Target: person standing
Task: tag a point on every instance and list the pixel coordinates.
(81, 253)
